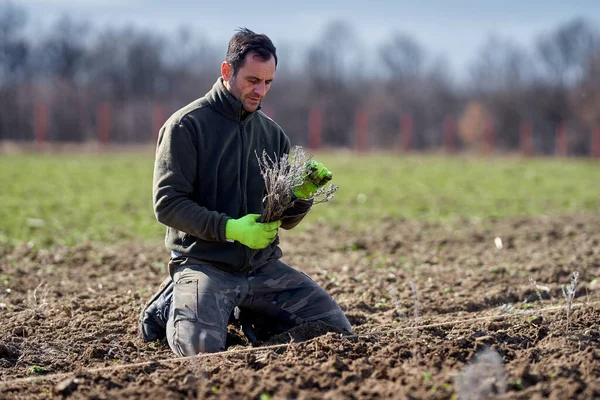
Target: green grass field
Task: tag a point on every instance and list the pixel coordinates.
(68, 199)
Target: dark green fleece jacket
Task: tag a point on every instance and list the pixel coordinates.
(206, 172)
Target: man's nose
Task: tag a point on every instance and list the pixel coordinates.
(260, 89)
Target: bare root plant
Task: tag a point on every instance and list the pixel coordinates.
(37, 301)
(535, 287)
(394, 295)
(413, 289)
(282, 177)
(539, 289)
(569, 294)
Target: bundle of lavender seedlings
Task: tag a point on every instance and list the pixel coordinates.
(282, 177)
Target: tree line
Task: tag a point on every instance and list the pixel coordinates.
(73, 69)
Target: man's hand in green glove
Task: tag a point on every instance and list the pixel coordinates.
(250, 233)
(315, 177)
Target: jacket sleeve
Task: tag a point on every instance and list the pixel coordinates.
(296, 213)
(175, 171)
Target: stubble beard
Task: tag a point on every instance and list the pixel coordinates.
(229, 85)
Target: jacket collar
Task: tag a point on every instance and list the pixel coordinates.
(220, 98)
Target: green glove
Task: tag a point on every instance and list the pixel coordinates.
(250, 233)
(316, 175)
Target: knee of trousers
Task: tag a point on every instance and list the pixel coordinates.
(340, 321)
(187, 339)
(332, 314)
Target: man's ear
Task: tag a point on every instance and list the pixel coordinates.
(226, 71)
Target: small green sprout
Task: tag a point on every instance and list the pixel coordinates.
(37, 370)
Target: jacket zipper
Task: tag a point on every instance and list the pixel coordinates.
(243, 187)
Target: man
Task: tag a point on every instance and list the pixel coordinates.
(208, 191)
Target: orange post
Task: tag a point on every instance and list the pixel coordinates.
(596, 142)
(41, 125)
(103, 123)
(315, 128)
(406, 131)
(362, 129)
(526, 138)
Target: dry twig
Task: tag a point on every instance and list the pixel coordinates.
(569, 294)
(413, 289)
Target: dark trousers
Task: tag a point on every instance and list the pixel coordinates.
(205, 296)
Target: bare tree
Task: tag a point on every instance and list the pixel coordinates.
(418, 86)
(64, 52)
(61, 65)
(191, 65)
(564, 51)
(500, 66)
(332, 62)
(500, 75)
(403, 57)
(14, 49)
(335, 56)
(14, 72)
(109, 63)
(145, 65)
(586, 97)
(563, 54)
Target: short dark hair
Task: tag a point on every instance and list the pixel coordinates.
(245, 41)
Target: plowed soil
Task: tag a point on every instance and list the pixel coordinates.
(69, 318)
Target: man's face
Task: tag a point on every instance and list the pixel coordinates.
(251, 82)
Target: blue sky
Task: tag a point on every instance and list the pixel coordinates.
(453, 29)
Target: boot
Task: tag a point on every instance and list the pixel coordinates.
(154, 314)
